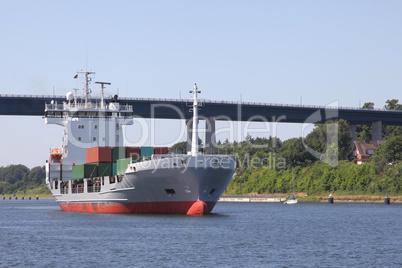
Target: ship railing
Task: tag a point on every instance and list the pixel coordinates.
(94, 188)
(78, 189)
(89, 106)
(64, 190)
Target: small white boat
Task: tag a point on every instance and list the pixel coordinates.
(291, 200)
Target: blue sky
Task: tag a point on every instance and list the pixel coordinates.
(264, 51)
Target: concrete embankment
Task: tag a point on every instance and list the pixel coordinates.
(251, 199)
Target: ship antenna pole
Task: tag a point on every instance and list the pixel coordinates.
(87, 79)
(194, 140)
(102, 89)
(86, 89)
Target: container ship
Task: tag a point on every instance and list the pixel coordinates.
(94, 172)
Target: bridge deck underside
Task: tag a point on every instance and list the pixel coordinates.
(178, 109)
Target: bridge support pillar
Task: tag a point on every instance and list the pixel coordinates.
(189, 124)
(376, 130)
(210, 141)
(352, 133)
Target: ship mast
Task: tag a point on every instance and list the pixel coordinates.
(194, 139)
(87, 80)
(102, 89)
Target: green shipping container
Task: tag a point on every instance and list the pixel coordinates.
(85, 171)
(104, 169)
(147, 151)
(121, 165)
(118, 153)
(114, 169)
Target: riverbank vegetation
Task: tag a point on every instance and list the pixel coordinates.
(318, 164)
(22, 181)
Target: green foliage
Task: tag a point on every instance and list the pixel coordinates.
(295, 154)
(180, 147)
(391, 131)
(330, 141)
(320, 178)
(15, 178)
(364, 132)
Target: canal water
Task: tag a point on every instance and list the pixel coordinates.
(36, 233)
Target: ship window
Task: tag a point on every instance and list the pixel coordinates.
(103, 139)
(79, 138)
(56, 184)
(96, 126)
(212, 191)
(94, 138)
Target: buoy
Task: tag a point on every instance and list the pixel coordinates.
(16, 198)
(29, 198)
(198, 208)
(23, 198)
(387, 200)
(37, 197)
(9, 198)
(330, 199)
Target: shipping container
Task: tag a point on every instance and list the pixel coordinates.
(133, 152)
(114, 169)
(161, 150)
(104, 169)
(99, 154)
(147, 151)
(118, 153)
(121, 165)
(85, 171)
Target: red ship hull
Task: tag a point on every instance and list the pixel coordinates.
(180, 207)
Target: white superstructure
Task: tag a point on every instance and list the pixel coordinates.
(88, 124)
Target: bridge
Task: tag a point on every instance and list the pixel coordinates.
(30, 105)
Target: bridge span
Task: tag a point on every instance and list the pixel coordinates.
(30, 105)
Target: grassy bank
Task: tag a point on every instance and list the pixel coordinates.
(41, 191)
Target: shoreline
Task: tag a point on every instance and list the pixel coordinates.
(273, 198)
(279, 198)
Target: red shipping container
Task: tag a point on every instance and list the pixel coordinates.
(161, 150)
(99, 154)
(133, 152)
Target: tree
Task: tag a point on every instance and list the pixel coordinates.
(368, 105)
(393, 149)
(363, 132)
(391, 131)
(333, 134)
(180, 147)
(393, 105)
(295, 154)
